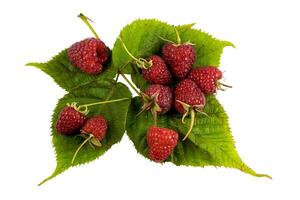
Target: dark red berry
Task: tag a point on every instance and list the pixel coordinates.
(89, 55)
(188, 92)
(161, 143)
(69, 120)
(158, 73)
(179, 58)
(96, 126)
(206, 78)
(163, 98)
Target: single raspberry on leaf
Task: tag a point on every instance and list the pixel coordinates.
(179, 57)
(158, 73)
(188, 92)
(158, 99)
(161, 142)
(207, 79)
(69, 120)
(161, 95)
(89, 55)
(154, 68)
(97, 126)
(94, 130)
(188, 100)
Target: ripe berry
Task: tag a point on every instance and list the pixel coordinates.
(97, 126)
(69, 120)
(162, 96)
(180, 58)
(206, 78)
(188, 93)
(94, 130)
(89, 55)
(161, 143)
(154, 68)
(188, 100)
(157, 73)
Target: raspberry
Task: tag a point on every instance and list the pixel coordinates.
(97, 126)
(163, 98)
(206, 78)
(157, 73)
(69, 121)
(189, 93)
(89, 55)
(179, 58)
(161, 143)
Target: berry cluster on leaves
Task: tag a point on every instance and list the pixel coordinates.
(175, 117)
(173, 83)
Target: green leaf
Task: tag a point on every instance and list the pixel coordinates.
(141, 39)
(115, 114)
(210, 142)
(69, 77)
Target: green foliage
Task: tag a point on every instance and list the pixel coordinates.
(142, 40)
(66, 75)
(210, 142)
(115, 113)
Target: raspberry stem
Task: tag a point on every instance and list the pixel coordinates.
(98, 103)
(177, 36)
(86, 20)
(192, 113)
(141, 62)
(228, 86)
(81, 145)
(129, 82)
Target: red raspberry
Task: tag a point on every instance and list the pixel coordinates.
(189, 93)
(70, 120)
(163, 98)
(158, 73)
(89, 55)
(206, 78)
(161, 143)
(179, 58)
(97, 126)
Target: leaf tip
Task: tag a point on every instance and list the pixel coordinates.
(229, 44)
(44, 181)
(266, 176)
(30, 64)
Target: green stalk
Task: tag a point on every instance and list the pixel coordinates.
(86, 20)
(177, 36)
(131, 85)
(78, 149)
(191, 125)
(143, 63)
(101, 102)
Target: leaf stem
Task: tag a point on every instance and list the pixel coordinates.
(101, 102)
(127, 51)
(177, 36)
(131, 85)
(154, 114)
(142, 63)
(78, 149)
(86, 20)
(191, 124)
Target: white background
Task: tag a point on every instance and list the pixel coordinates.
(263, 105)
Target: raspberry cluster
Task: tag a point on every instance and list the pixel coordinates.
(173, 84)
(72, 121)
